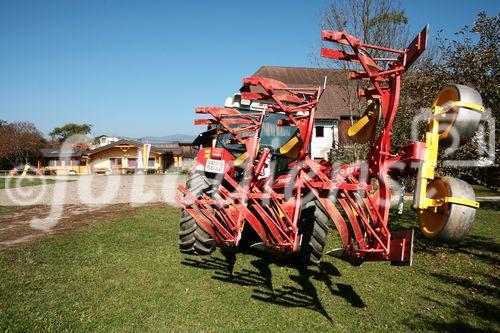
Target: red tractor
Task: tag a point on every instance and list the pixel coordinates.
(253, 179)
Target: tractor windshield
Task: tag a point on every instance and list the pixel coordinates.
(273, 135)
(228, 142)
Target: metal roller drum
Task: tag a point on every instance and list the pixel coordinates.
(450, 222)
(460, 122)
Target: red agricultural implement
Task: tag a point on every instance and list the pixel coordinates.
(253, 179)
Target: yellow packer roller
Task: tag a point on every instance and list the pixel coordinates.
(447, 206)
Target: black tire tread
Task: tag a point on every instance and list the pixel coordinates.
(314, 227)
(192, 238)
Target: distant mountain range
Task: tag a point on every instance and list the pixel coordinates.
(166, 138)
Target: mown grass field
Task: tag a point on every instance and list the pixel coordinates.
(21, 182)
(482, 191)
(127, 275)
(8, 209)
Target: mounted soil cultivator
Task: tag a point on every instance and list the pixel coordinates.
(253, 180)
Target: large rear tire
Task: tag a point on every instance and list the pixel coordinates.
(313, 225)
(193, 239)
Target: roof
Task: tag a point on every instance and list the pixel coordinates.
(57, 153)
(122, 142)
(174, 150)
(171, 147)
(332, 104)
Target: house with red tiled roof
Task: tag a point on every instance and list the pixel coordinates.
(118, 157)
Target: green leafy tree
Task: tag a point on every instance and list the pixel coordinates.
(60, 134)
(472, 59)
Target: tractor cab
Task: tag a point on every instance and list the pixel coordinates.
(274, 134)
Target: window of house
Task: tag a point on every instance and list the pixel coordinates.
(132, 162)
(320, 131)
(151, 162)
(54, 162)
(116, 162)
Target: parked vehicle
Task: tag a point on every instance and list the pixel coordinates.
(253, 171)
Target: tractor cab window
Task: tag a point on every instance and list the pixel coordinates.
(228, 142)
(273, 135)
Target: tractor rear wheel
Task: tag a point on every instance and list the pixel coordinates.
(193, 239)
(313, 224)
(451, 222)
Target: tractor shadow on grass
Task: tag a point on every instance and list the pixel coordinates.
(302, 293)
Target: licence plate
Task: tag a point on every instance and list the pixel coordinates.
(215, 166)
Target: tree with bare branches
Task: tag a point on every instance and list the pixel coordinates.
(377, 22)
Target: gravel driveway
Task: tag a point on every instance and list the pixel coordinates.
(96, 190)
(72, 202)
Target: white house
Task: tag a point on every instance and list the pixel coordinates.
(104, 140)
(325, 132)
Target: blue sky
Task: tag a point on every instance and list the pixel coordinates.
(138, 68)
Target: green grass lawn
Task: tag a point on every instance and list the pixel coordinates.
(127, 275)
(9, 209)
(482, 191)
(20, 182)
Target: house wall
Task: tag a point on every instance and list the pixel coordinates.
(181, 163)
(106, 140)
(101, 161)
(63, 167)
(320, 146)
